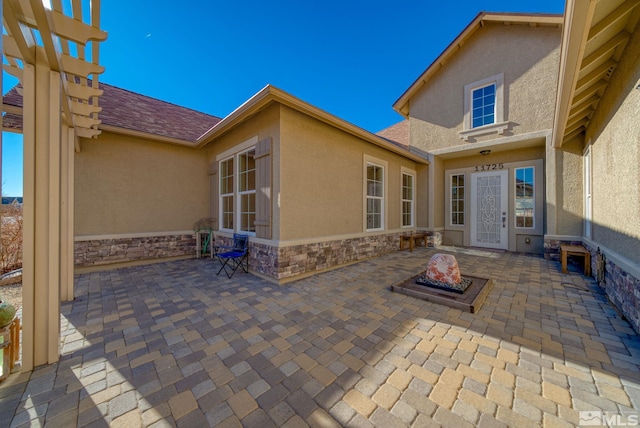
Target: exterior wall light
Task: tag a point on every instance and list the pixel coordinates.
(485, 152)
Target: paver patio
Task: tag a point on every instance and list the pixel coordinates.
(173, 344)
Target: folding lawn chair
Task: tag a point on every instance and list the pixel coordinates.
(234, 257)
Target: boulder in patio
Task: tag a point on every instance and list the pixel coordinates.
(443, 283)
(443, 272)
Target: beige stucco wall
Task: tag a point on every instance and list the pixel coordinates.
(569, 211)
(528, 57)
(126, 185)
(507, 156)
(615, 136)
(422, 196)
(322, 179)
(437, 192)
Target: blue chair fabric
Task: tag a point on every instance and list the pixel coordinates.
(234, 257)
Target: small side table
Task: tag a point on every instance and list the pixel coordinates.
(412, 239)
(575, 250)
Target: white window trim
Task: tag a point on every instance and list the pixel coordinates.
(450, 199)
(222, 196)
(412, 173)
(370, 160)
(234, 153)
(500, 125)
(244, 146)
(515, 213)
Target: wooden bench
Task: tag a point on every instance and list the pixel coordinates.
(412, 239)
(575, 250)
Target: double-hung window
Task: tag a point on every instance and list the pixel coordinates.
(407, 199)
(484, 105)
(457, 199)
(238, 192)
(375, 197)
(484, 108)
(247, 190)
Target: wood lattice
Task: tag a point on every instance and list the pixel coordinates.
(70, 46)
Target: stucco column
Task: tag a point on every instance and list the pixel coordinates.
(66, 213)
(431, 193)
(550, 188)
(42, 207)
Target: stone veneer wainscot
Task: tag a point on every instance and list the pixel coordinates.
(279, 263)
(99, 252)
(282, 263)
(622, 288)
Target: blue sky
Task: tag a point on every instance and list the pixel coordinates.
(352, 58)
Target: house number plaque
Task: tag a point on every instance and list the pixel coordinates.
(489, 167)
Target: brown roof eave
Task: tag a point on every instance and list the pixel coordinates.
(14, 115)
(271, 94)
(145, 135)
(144, 116)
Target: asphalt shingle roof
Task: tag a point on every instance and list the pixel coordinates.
(128, 110)
(398, 133)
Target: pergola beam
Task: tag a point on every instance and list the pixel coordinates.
(612, 18)
(568, 136)
(22, 36)
(45, 29)
(595, 75)
(82, 92)
(58, 30)
(84, 109)
(576, 124)
(605, 50)
(583, 106)
(591, 90)
(65, 26)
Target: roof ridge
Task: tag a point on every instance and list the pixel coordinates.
(488, 12)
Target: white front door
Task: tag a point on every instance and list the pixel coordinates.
(489, 206)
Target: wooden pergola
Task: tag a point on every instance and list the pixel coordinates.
(592, 45)
(54, 53)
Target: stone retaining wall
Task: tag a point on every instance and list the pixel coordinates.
(276, 262)
(287, 262)
(122, 250)
(622, 288)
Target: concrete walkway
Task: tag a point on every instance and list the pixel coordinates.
(173, 344)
